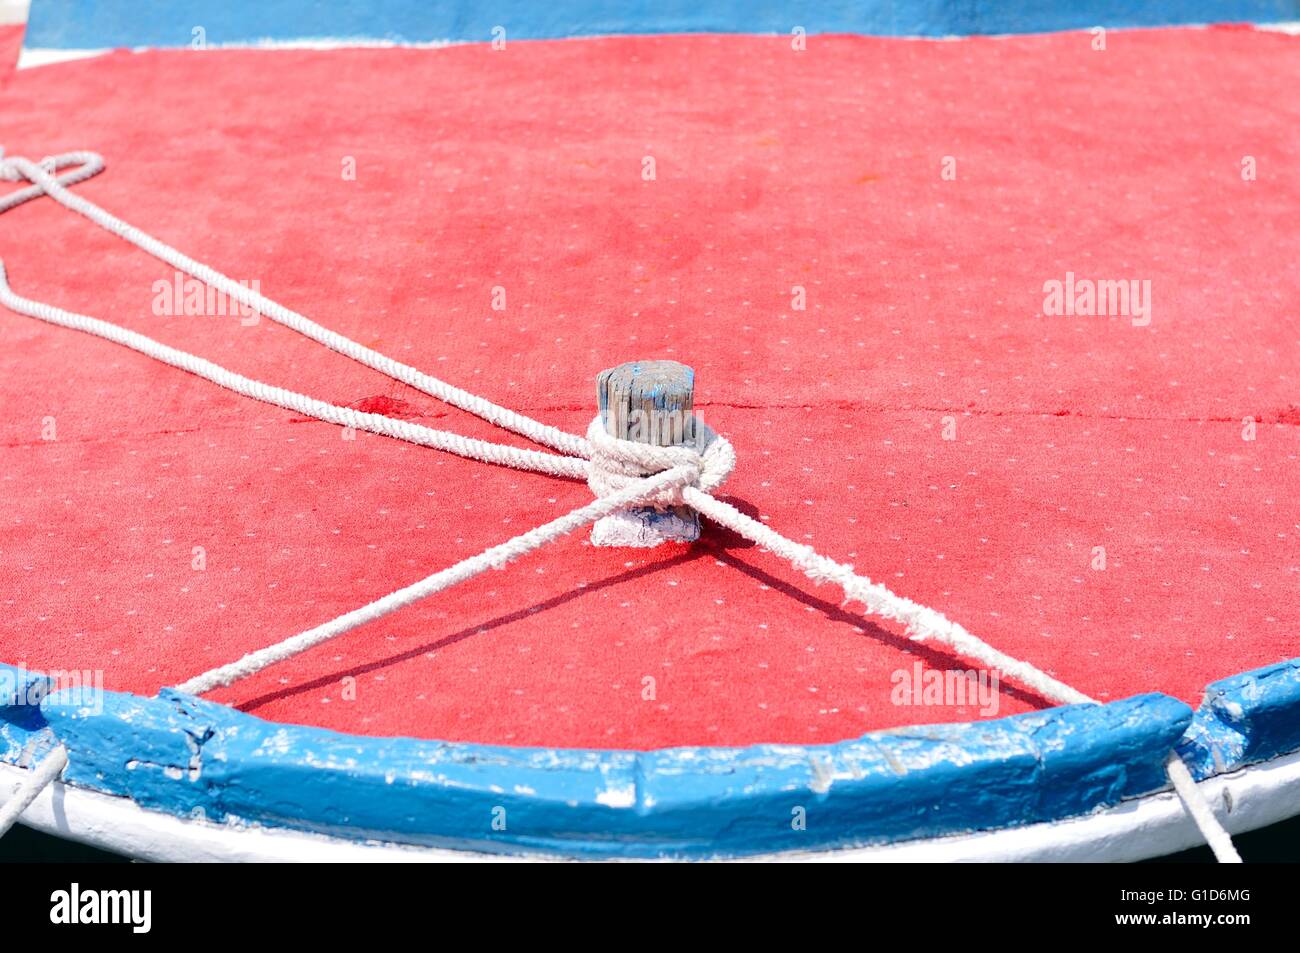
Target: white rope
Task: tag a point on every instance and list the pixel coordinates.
(480, 407)
(1198, 807)
(40, 777)
(621, 473)
(617, 464)
(90, 166)
(673, 469)
(920, 622)
(497, 557)
(923, 624)
(290, 400)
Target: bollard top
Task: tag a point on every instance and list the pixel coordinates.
(648, 402)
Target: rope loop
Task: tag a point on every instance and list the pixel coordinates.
(618, 464)
(19, 169)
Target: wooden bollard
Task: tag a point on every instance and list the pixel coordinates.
(648, 402)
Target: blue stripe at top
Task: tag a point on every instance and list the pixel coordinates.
(95, 24)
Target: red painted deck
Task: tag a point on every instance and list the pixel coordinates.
(523, 169)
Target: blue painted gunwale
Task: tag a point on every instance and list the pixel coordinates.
(1245, 719)
(190, 757)
(98, 24)
(25, 738)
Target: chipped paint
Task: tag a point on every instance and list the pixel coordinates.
(623, 797)
(1245, 719)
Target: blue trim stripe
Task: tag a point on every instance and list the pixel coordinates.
(191, 757)
(94, 24)
(187, 756)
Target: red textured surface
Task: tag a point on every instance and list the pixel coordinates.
(775, 169)
(11, 41)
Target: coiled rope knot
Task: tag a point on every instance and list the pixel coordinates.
(617, 464)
